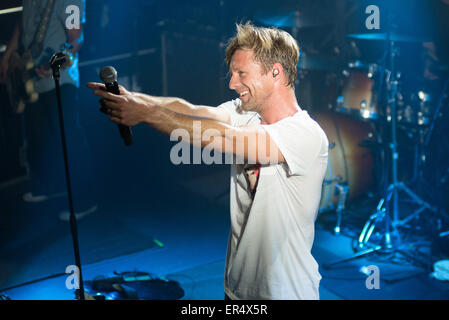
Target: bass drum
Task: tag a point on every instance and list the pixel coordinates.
(350, 157)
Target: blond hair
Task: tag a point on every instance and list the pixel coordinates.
(269, 45)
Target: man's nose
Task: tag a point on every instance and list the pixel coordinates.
(233, 83)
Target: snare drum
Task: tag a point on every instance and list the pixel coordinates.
(350, 157)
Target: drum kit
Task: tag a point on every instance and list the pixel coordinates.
(366, 111)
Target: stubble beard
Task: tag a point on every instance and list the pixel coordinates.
(250, 106)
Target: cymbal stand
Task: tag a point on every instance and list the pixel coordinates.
(392, 80)
(382, 217)
(443, 98)
(426, 139)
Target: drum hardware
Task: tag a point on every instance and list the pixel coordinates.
(350, 166)
(362, 98)
(386, 218)
(342, 190)
(414, 109)
(424, 133)
(359, 94)
(369, 227)
(388, 36)
(329, 182)
(441, 101)
(335, 179)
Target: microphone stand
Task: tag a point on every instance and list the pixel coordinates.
(56, 61)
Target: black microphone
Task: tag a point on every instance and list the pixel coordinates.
(109, 76)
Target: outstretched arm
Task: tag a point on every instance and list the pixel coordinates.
(249, 142)
(174, 104)
(184, 107)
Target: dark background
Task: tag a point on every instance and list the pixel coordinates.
(176, 48)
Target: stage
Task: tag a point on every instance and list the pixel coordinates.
(374, 75)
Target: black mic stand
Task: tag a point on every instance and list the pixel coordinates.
(56, 61)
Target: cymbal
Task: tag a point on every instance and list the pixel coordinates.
(292, 19)
(397, 37)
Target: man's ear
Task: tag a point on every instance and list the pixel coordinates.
(277, 70)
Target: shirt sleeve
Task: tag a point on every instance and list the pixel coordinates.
(300, 140)
(238, 116)
(230, 107)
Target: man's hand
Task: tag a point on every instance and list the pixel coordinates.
(126, 109)
(101, 86)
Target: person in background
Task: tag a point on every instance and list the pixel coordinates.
(46, 25)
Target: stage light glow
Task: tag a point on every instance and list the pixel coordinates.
(11, 10)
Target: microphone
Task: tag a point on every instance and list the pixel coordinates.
(109, 76)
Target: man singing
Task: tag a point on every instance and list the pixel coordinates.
(275, 199)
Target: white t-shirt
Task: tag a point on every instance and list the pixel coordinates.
(269, 248)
